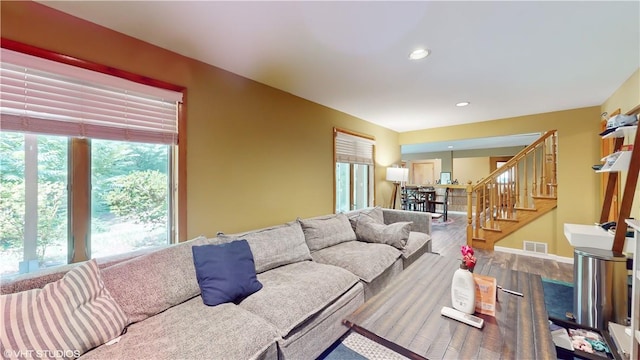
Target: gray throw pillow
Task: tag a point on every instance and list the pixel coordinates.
(395, 234)
(273, 247)
(374, 215)
(327, 231)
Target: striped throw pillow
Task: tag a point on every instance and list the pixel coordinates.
(65, 318)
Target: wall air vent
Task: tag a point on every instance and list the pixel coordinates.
(536, 247)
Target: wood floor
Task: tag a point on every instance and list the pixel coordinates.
(447, 239)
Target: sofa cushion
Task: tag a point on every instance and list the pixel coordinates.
(374, 215)
(421, 220)
(71, 315)
(38, 279)
(225, 272)
(310, 339)
(365, 260)
(415, 242)
(151, 283)
(322, 232)
(273, 246)
(193, 330)
(293, 293)
(395, 234)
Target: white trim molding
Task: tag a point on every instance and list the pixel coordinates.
(557, 258)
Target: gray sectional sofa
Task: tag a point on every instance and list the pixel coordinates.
(314, 272)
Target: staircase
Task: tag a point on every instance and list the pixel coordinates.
(517, 193)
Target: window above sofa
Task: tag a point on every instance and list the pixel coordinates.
(88, 155)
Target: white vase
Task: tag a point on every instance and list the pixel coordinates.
(463, 291)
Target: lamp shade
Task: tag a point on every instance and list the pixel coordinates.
(397, 174)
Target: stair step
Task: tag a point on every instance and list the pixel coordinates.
(501, 208)
(547, 197)
(507, 219)
(492, 229)
(526, 209)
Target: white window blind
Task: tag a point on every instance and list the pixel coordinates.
(353, 149)
(47, 97)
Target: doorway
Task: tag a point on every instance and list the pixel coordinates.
(422, 172)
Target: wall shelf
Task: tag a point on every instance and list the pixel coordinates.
(618, 161)
(624, 158)
(593, 236)
(621, 132)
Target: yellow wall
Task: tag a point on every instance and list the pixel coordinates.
(256, 156)
(451, 157)
(578, 186)
(627, 98)
(470, 169)
(444, 160)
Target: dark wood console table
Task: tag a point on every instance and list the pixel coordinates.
(405, 316)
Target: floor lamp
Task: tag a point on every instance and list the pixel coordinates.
(398, 176)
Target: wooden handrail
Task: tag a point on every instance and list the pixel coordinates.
(529, 175)
(516, 158)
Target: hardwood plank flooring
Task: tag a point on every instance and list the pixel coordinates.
(447, 239)
(406, 317)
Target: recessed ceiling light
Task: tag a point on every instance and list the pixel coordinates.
(464, 103)
(419, 54)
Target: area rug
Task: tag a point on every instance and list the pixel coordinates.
(354, 346)
(558, 297)
(441, 222)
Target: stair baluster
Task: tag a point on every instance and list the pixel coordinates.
(513, 195)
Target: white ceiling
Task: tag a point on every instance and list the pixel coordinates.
(506, 58)
(471, 144)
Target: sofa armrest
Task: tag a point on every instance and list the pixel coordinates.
(421, 220)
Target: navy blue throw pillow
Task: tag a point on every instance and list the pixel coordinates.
(225, 272)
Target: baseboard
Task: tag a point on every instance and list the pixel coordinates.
(554, 257)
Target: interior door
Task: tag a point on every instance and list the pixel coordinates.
(422, 173)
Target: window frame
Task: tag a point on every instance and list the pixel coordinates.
(371, 172)
(496, 162)
(79, 155)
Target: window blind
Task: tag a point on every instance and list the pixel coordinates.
(47, 97)
(353, 149)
